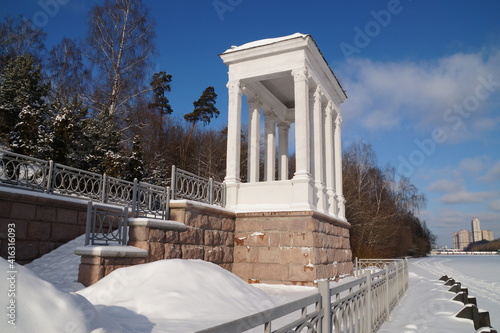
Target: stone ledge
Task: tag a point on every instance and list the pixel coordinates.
(297, 213)
(201, 207)
(155, 223)
(111, 251)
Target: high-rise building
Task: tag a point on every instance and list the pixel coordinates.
(461, 239)
(487, 235)
(476, 230)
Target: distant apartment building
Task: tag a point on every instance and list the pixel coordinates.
(461, 239)
(487, 235)
(476, 230)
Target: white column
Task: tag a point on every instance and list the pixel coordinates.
(329, 159)
(319, 159)
(283, 129)
(254, 105)
(302, 123)
(233, 133)
(270, 146)
(338, 168)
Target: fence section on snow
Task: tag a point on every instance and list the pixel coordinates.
(360, 305)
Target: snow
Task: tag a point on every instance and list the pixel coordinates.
(188, 295)
(262, 42)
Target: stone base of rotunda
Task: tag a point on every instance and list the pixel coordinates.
(292, 247)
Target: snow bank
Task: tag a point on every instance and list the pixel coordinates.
(41, 307)
(177, 295)
(60, 266)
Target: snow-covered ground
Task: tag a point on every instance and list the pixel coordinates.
(187, 295)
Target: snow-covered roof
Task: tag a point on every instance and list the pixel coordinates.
(262, 42)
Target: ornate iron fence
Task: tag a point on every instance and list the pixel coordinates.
(187, 185)
(23, 171)
(106, 225)
(361, 305)
(144, 199)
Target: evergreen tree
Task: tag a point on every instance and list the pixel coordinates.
(30, 135)
(69, 143)
(21, 88)
(204, 108)
(104, 137)
(135, 165)
(161, 84)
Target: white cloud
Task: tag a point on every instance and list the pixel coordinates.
(472, 164)
(464, 197)
(445, 185)
(432, 94)
(493, 173)
(495, 204)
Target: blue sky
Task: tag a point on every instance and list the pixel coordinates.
(422, 77)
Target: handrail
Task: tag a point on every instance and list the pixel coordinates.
(106, 224)
(361, 305)
(187, 185)
(46, 176)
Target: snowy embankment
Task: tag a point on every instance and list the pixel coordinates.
(188, 295)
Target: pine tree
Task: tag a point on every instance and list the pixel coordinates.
(30, 135)
(69, 143)
(204, 108)
(161, 84)
(135, 165)
(21, 89)
(104, 137)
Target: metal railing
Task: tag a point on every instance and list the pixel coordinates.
(106, 224)
(187, 185)
(144, 199)
(361, 305)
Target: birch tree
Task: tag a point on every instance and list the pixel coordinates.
(120, 45)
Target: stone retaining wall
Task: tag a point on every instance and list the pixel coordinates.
(291, 247)
(41, 222)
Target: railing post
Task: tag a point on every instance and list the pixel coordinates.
(368, 300)
(173, 182)
(356, 272)
(124, 226)
(211, 190)
(49, 188)
(166, 214)
(135, 205)
(397, 281)
(324, 290)
(88, 222)
(104, 194)
(386, 282)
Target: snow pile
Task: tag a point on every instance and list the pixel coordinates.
(38, 306)
(164, 296)
(181, 295)
(60, 266)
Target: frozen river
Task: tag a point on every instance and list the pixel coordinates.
(426, 306)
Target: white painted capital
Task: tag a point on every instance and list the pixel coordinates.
(318, 93)
(283, 127)
(234, 87)
(300, 74)
(269, 115)
(254, 103)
